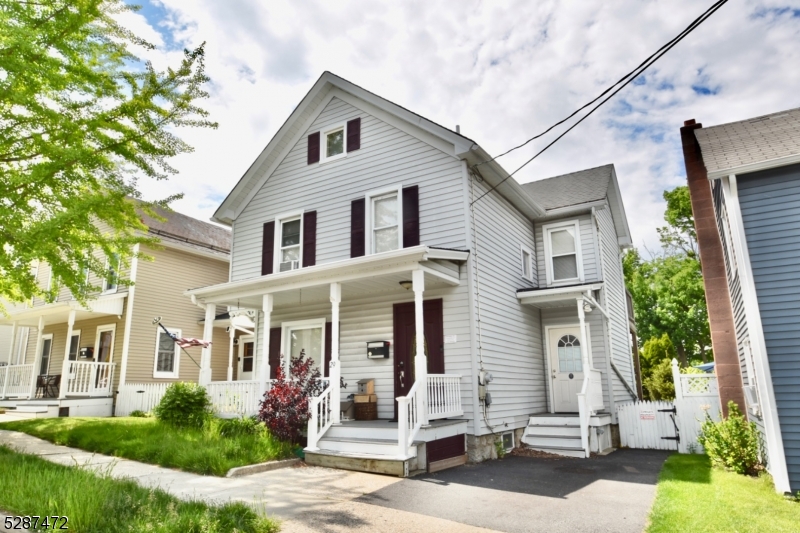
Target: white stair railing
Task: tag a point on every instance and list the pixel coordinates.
(236, 398)
(409, 420)
(89, 378)
(444, 396)
(321, 417)
(15, 381)
(590, 401)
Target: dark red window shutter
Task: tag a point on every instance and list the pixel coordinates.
(309, 238)
(410, 216)
(313, 148)
(274, 352)
(268, 248)
(353, 134)
(328, 348)
(357, 236)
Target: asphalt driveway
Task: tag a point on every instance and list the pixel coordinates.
(522, 494)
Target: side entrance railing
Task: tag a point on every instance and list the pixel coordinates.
(15, 381)
(90, 378)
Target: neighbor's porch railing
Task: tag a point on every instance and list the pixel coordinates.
(590, 401)
(15, 381)
(89, 378)
(236, 398)
(444, 396)
(321, 416)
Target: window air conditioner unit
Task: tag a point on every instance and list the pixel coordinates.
(289, 265)
(751, 398)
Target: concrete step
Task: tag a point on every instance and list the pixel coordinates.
(568, 451)
(360, 446)
(28, 408)
(25, 415)
(370, 432)
(552, 440)
(546, 429)
(363, 463)
(554, 420)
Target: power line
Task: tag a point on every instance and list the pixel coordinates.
(630, 76)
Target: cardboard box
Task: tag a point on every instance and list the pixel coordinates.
(365, 398)
(366, 386)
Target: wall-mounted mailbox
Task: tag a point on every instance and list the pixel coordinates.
(86, 353)
(378, 349)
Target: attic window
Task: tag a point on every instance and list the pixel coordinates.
(563, 252)
(334, 143)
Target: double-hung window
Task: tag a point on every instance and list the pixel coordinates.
(111, 281)
(527, 263)
(385, 217)
(563, 251)
(289, 248)
(167, 354)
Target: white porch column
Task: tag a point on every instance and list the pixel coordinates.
(208, 334)
(263, 366)
(62, 390)
(420, 360)
(335, 370)
(584, 338)
(14, 331)
(37, 357)
(232, 333)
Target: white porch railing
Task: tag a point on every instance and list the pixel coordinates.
(15, 381)
(590, 401)
(409, 420)
(139, 397)
(321, 417)
(236, 398)
(444, 396)
(89, 378)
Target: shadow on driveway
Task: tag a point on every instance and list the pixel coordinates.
(522, 494)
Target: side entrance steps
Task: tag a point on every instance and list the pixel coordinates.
(559, 434)
(372, 447)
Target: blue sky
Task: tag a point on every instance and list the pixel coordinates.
(503, 71)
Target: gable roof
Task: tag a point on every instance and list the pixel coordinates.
(189, 232)
(577, 191)
(752, 144)
(310, 106)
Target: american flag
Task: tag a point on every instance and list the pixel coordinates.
(186, 342)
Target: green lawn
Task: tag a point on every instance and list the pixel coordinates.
(98, 503)
(147, 440)
(694, 497)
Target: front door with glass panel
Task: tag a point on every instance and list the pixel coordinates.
(566, 368)
(247, 359)
(306, 338)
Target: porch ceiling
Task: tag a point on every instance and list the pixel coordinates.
(58, 312)
(359, 276)
(556, 296)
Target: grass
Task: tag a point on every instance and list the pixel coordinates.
(693, 496)
(147, 440)
(97, 503)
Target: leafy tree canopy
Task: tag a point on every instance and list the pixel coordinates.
(81, 118)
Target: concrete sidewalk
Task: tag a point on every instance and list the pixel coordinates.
(306, 498)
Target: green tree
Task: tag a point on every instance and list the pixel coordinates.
(81, 119)
(679, 234)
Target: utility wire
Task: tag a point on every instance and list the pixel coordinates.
(630, 76)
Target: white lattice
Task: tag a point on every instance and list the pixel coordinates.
(699, 385)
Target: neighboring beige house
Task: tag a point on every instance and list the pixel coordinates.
(84, 356)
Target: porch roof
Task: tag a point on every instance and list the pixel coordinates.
(58, 312)
(556, 296)
(365, 274)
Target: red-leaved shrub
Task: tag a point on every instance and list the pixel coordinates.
(286, 406)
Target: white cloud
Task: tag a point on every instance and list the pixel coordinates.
(504, 71)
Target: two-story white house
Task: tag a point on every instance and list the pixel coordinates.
(366, 237)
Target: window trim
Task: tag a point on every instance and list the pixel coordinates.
(522, 251)
(310, 323)
(177, 361)
(75, 333)
(547, 230)
(106, 288)
(46, 336)
(323, 141)
(369, 229)
(276, 254)
(100, 329)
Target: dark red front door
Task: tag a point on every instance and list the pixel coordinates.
(404, 330)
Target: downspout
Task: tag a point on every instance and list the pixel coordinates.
(612, 403)
(126, 337)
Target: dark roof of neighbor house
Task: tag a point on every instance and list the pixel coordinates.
(574, 188)
(189, 231)
(749, 142)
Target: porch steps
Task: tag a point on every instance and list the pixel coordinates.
(557, 434)
(374, 464)
(357, 445)
(27, 412)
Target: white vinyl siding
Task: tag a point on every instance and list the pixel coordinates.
(387, 157)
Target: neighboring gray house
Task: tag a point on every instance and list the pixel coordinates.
(362, 238)
(744, 179)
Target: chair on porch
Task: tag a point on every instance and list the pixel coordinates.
(41, 386)
(52, 386)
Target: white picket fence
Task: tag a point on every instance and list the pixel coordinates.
(648, 425)
(228, 398)
(139, 397)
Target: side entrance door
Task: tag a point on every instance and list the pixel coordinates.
(566, 367)
(246, 358)
(404, 343)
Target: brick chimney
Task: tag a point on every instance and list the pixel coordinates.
(720, 312)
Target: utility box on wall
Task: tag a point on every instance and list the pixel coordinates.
(378, 349)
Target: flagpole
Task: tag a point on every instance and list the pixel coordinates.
(157, 320)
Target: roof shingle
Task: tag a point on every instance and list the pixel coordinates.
(571, 189)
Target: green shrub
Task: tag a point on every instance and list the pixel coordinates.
(733, 443)
(184, 405)
(237, 427)
(139, 414)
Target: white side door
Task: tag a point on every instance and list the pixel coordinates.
(247, 358)
(566, 367)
